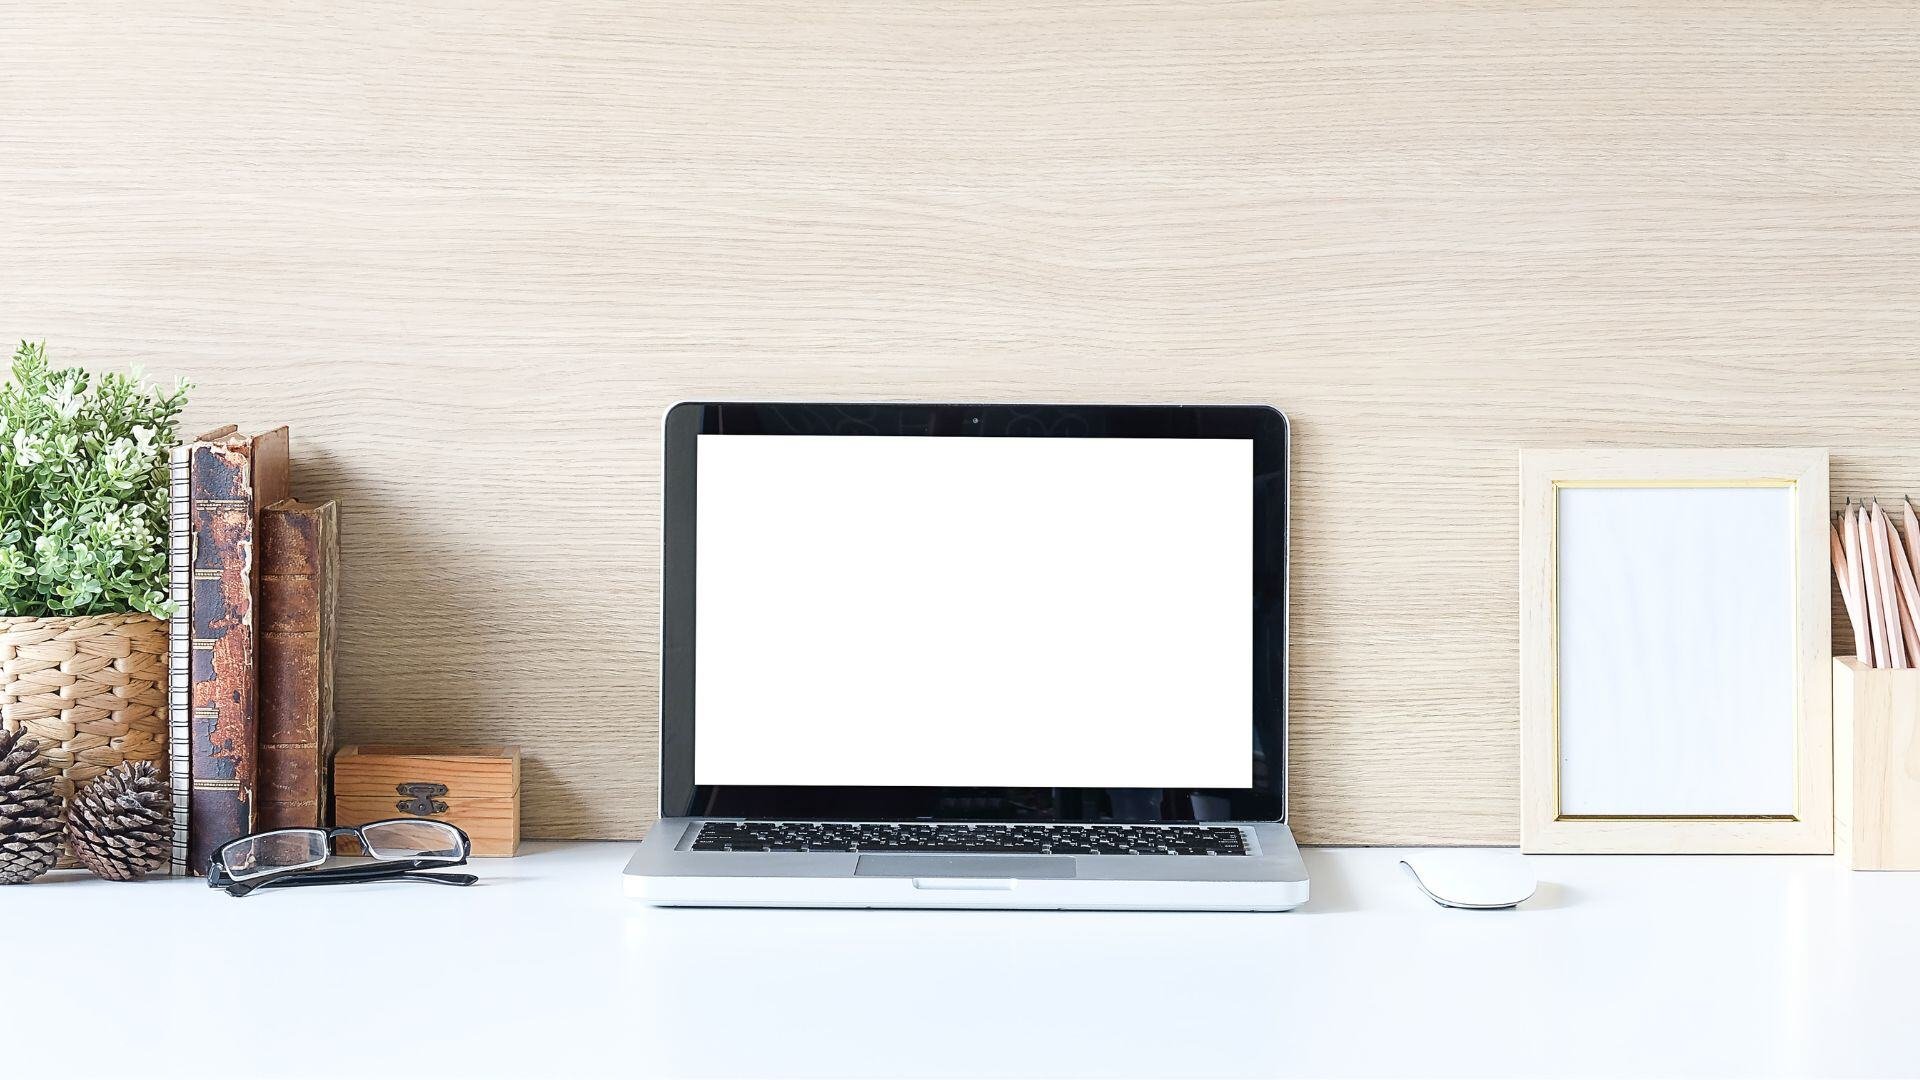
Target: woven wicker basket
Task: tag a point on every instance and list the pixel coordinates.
(93, 688)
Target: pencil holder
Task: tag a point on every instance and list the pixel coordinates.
(1876, 765)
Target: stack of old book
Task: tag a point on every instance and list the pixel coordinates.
(250, 686)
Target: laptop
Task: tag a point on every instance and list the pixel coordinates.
(973, 656)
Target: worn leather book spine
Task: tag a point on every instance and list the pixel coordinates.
(299, 561)
(230, 480)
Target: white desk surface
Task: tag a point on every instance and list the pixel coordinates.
(1671, 966)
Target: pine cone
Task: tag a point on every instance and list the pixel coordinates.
(29, 810)
(118, 824)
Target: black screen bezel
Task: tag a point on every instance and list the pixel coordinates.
(1267, 428)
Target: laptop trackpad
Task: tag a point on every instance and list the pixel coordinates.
(965, 866)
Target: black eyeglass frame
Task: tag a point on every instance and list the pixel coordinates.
(219, 877)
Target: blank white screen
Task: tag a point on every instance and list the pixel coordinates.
(958, 612)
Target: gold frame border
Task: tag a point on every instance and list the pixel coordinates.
(1553, 610)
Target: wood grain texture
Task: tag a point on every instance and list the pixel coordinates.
(481, 790)
(1876, 725)
(1876, 765)
(470, 251)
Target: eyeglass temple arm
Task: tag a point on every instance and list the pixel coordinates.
(347, 879)
(349, 875)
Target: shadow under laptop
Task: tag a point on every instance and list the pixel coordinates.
(1329, 889)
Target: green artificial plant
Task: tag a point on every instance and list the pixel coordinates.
(83, 490)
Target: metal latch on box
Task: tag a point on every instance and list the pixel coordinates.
(422, 800)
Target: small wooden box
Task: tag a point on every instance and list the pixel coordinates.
(1876, 765)
(476, 788)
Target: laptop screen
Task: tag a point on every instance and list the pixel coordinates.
(974, 613)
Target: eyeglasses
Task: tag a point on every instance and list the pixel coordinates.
(401, 848)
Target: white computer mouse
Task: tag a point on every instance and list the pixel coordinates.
(1479, 879)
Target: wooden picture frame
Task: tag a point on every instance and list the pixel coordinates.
(1675, 652)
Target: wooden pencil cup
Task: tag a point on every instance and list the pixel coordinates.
(1876, 765)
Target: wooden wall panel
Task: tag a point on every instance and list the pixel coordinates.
(470, 251)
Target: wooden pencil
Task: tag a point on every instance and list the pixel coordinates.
(1840, 576)
(1909, 590)
(1857, 576)
(1876, 600)
(1889, 598)
(1912, 523)
(1843, 573)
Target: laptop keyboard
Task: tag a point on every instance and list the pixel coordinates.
(951, 838)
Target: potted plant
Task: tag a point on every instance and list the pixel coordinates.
(83, 564)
